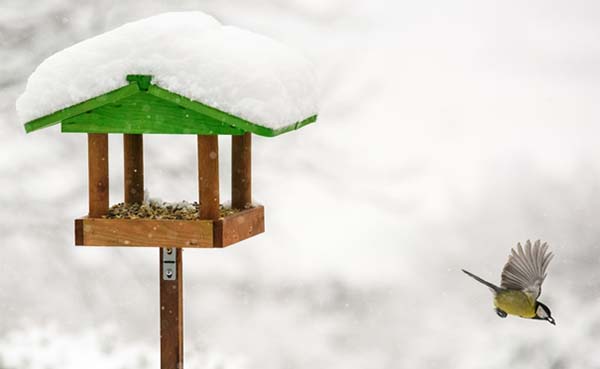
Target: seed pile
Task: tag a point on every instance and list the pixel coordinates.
(161, 210)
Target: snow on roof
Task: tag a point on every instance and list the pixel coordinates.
(188, 53)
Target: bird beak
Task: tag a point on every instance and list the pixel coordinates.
(551, 320)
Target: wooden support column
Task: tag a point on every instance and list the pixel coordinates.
(98, 174)
(133, 154)
(208, 176)
(171, 311)
(241, 171)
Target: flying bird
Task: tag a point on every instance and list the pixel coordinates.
(521, 283)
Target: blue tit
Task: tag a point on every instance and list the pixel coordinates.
(521, 283)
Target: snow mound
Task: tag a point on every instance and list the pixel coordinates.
(189, 53)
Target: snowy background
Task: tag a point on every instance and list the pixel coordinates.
(448, 132)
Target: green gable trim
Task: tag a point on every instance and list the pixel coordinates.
(142, 107)
(221, 116)
(144, 113)
(83, 107)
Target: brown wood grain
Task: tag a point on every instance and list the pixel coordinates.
(171, 316)
(133, 155)
(208, 176)
(98, 174)
(78, 231)
(238, 227)
(143, 232)
(241, 171)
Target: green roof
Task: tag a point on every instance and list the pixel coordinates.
(141, 107)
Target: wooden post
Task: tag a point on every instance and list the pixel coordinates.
(171, 314)
(241, 171)
(98, 174)
(208, 176)
(133, 154)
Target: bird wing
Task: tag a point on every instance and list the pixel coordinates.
(526, 268)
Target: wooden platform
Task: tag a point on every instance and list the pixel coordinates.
(170, 233)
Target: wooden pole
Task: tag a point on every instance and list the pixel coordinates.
(241, 171)
(208, 176)
(170, 272)
(133, 154)
(98, 174)
(171, 313)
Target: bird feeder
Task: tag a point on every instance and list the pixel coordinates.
(143, 107)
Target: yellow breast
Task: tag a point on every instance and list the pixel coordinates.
(515, 303)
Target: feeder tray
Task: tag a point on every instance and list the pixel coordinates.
(147, 232)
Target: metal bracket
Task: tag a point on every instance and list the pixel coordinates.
(169, 264)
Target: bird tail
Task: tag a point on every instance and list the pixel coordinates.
(491, 286)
